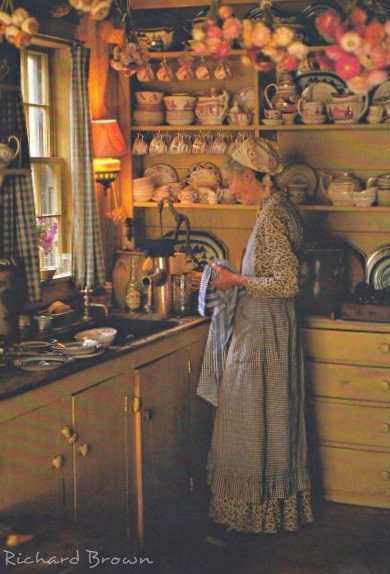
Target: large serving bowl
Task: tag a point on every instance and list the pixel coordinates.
(104, 335)
(150, 98)
(180, 118)
(180, 102)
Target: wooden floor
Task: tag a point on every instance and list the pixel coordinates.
(343, 540)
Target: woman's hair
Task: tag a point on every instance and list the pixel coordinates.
(232, 166)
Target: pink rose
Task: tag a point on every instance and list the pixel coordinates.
(283, 36)
(376, 77)
(379, 57)
(232, 29)
(358, 85)
(214, 32)
(261, 35)
(290, 63)
(350, 41)
(223, 49)
(334, 52)
(348, 67)
(297, 49)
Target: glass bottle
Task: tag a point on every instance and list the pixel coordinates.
(133, 295)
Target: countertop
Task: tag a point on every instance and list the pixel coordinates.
(15, 381)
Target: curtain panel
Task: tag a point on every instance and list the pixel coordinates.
(87, 247)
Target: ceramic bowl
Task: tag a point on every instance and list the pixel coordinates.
(104, 335)
(77, 348)
(180, 102)
(149, 98)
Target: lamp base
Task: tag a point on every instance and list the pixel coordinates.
(106, 178)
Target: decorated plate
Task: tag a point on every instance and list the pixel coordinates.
(298, 173)
(307, 79)
(246, 99)
(43, 363)
(162, 173)
(205, 245)
(378, 268)
(203, 175)
(318, 92)
(382, 91)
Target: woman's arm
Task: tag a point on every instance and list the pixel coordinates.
(284, 278)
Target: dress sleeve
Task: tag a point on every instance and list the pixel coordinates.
(283, 279)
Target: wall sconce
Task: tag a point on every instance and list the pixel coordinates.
(108, 144)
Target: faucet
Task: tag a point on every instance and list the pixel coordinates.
(88, 304)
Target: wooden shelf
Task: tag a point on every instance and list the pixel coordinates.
(239, 206)
(309, 127)
(182, 53)
(194, 128)
(15, 171)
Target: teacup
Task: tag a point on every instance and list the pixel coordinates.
(140, 146)
(158, 145)
(273, 114)
(310, 108)
(375, 114)
(288, 117)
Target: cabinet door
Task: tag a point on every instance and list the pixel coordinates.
(201, 421)
(161, 434)
(28, 445)
(100, 454)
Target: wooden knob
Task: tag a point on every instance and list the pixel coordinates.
(384, 348)
(385, 475)
(385, 427)
(84, 449)
(385, 385)
(57, 462)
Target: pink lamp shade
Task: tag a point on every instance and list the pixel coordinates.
(107, 139)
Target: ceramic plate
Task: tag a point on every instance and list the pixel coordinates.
(318, 92)
(205, 245)
(246, 99)
(77, 348)
(91, 355)
(308, 78)
(161, 173)
(202, 175)
(378, 268)
(43, 362)
(298, 173)
(382, 91)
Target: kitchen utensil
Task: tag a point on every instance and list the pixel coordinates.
(161, 173)
(346, 107)
(365, 197)
(7, 153)
(181, 294)
(298, 173)
(212, 109)
(151, 98)
(339, 189)
(202, 175)
(44, 322)
(285, 97)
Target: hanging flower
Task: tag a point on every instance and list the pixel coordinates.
(95, 9)
(232, 29)
(350, 41)
(16, 26)
(347, 66)
(283, 36)
(261, 35)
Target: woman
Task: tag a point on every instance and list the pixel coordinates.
(257, 460)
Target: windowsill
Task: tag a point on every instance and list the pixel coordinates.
(57, 279)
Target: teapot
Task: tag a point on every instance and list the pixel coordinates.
(346, 107)
(212, 108)
(285, 97)
(7, 154)
(339, 189)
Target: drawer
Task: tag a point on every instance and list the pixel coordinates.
(349, 382)
(354, 476)
(347, 347)
(337, 422)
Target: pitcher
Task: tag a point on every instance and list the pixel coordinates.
(285, 97)
(7, 154)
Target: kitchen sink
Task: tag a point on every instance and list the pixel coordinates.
(133, 328)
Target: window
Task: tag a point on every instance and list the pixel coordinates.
(40, 101)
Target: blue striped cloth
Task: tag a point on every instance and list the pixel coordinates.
(223, 304)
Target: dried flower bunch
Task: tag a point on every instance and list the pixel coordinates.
(266, 46)
(360, 48)
(46, 234)
(16, 26)
(129, 58)
(96, 9)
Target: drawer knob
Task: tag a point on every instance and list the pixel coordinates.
(84, 449)
(384, 348)
(385, 385)
(57, 462)
(385, 475)
(385, 427)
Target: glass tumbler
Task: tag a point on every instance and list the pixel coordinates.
(181, 294)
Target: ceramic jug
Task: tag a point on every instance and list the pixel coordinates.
(285, 97)
(339, 189)
(346, 107)
(7, 154)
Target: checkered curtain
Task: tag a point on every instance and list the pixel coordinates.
(18, 237)
(87, 248)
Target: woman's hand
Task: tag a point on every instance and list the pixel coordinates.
(225, 278)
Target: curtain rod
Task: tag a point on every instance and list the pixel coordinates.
(58, 40)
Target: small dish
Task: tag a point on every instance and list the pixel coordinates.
(43, 362)
(77, 348)
(33, 346)
(270, 122)
(103, 335)
(90, 355)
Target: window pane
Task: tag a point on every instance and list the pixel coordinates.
(37, 132)
(49, 193)
(36, 89)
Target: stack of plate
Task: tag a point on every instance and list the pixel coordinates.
(148, 114)
(143, 189)
(383, 182)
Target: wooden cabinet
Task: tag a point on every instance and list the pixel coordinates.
(348, 380)
(100, 418)
(29, 444)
